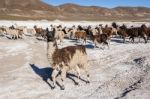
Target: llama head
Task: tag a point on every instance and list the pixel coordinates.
(143, 26)
(35, 27)
(50, 36)
(114, 25)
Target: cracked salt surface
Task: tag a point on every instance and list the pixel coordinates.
(113, 71)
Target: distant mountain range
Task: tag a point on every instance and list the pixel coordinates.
(36, 9)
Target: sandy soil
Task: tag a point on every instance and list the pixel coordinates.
(121, 72)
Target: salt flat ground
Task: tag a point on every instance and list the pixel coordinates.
(122, 71)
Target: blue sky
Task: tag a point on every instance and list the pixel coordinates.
(102, 3)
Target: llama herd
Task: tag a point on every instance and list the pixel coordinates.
(97, 34)
(75, 57)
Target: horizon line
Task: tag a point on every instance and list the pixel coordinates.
(93, 5)
(57, 5)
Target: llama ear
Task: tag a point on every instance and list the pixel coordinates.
(55, 42)
(53, 33)
(46, 29)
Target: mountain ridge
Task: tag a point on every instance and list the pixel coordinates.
(37, 9)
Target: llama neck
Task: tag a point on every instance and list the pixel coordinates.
(51, 47)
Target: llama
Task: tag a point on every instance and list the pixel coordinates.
(29, 31)
(148, 33)
(114, 28)
(13, 32)
(59, 34)
(72, 32)
(38, 31)
(99, 29)
(100, 39)
(81, 34)
(20, 34)
(1, 31)
(132, 33)
(108, 31)
(95, 31)
(65, 59)
(67, 32)
(143, 33)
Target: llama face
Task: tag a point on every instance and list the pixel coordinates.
(50, 36)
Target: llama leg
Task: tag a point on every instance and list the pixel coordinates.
(108, 46)
(145, 38)
(123, 39)
(103, 44)
(16, 36)
(109, 40)
(139, 40)
(78, 74)
(61, 41)
(88, 75)
(54, 74)
(95, 43)
(106, 43)
(76, 39)
(132, 39)
(84, 41)
(63, 77)
(12, 36)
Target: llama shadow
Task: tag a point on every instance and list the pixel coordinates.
(89, 46)
(8, 37)
(117, 40)
(74, 41)
(120, 41)
(29, 35)
(40, 39)
(72, 76)
(89, 42)
(44, 73)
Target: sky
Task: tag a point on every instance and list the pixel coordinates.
(102, 3)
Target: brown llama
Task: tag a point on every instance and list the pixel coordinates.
(148, 33)
(80, 35)
(132, 33)
(100, 39)
(108, 31)
(38, 31)
(65, 59)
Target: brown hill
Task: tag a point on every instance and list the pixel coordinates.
(25, 4)
(36, 9)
